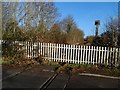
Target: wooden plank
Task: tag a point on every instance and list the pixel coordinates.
(56, 52)
(102, 56)
(41, 49)
(86, 55)
(63, 53)
(119, 56)
(59, 52)
(50, 51)
(99, 55)
(116, 50)
(91, 55)
(78, 58)
(83, 54)
(96, 60)
(31, 50)
(105, 55)
(27, 50)
(110, 59)
(68, 53)
(81, 57)
(73, 53)
(76, 54)
(46, 51)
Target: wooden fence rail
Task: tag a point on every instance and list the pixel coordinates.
(71, 53)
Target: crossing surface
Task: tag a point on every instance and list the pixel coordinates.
(37, 76)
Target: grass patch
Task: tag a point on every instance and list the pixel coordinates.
(52, 63)
(2, 61)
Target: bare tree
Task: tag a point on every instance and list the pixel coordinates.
(112, 31)
(68, 24)
(75, 36)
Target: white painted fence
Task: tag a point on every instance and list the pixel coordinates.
(72, 53)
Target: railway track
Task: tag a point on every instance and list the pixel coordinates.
(27, 67)
(66, 84)
(49, 81)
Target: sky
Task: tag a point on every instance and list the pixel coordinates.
(60, 0)
(85, 14)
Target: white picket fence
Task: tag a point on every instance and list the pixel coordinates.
(71, 53)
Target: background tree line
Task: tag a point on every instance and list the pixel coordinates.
(110, 37)
(37, 21)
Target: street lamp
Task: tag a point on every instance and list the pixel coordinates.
(97, 23)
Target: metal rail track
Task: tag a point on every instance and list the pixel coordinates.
(47, 83)
(17, 73)
(68, 80)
